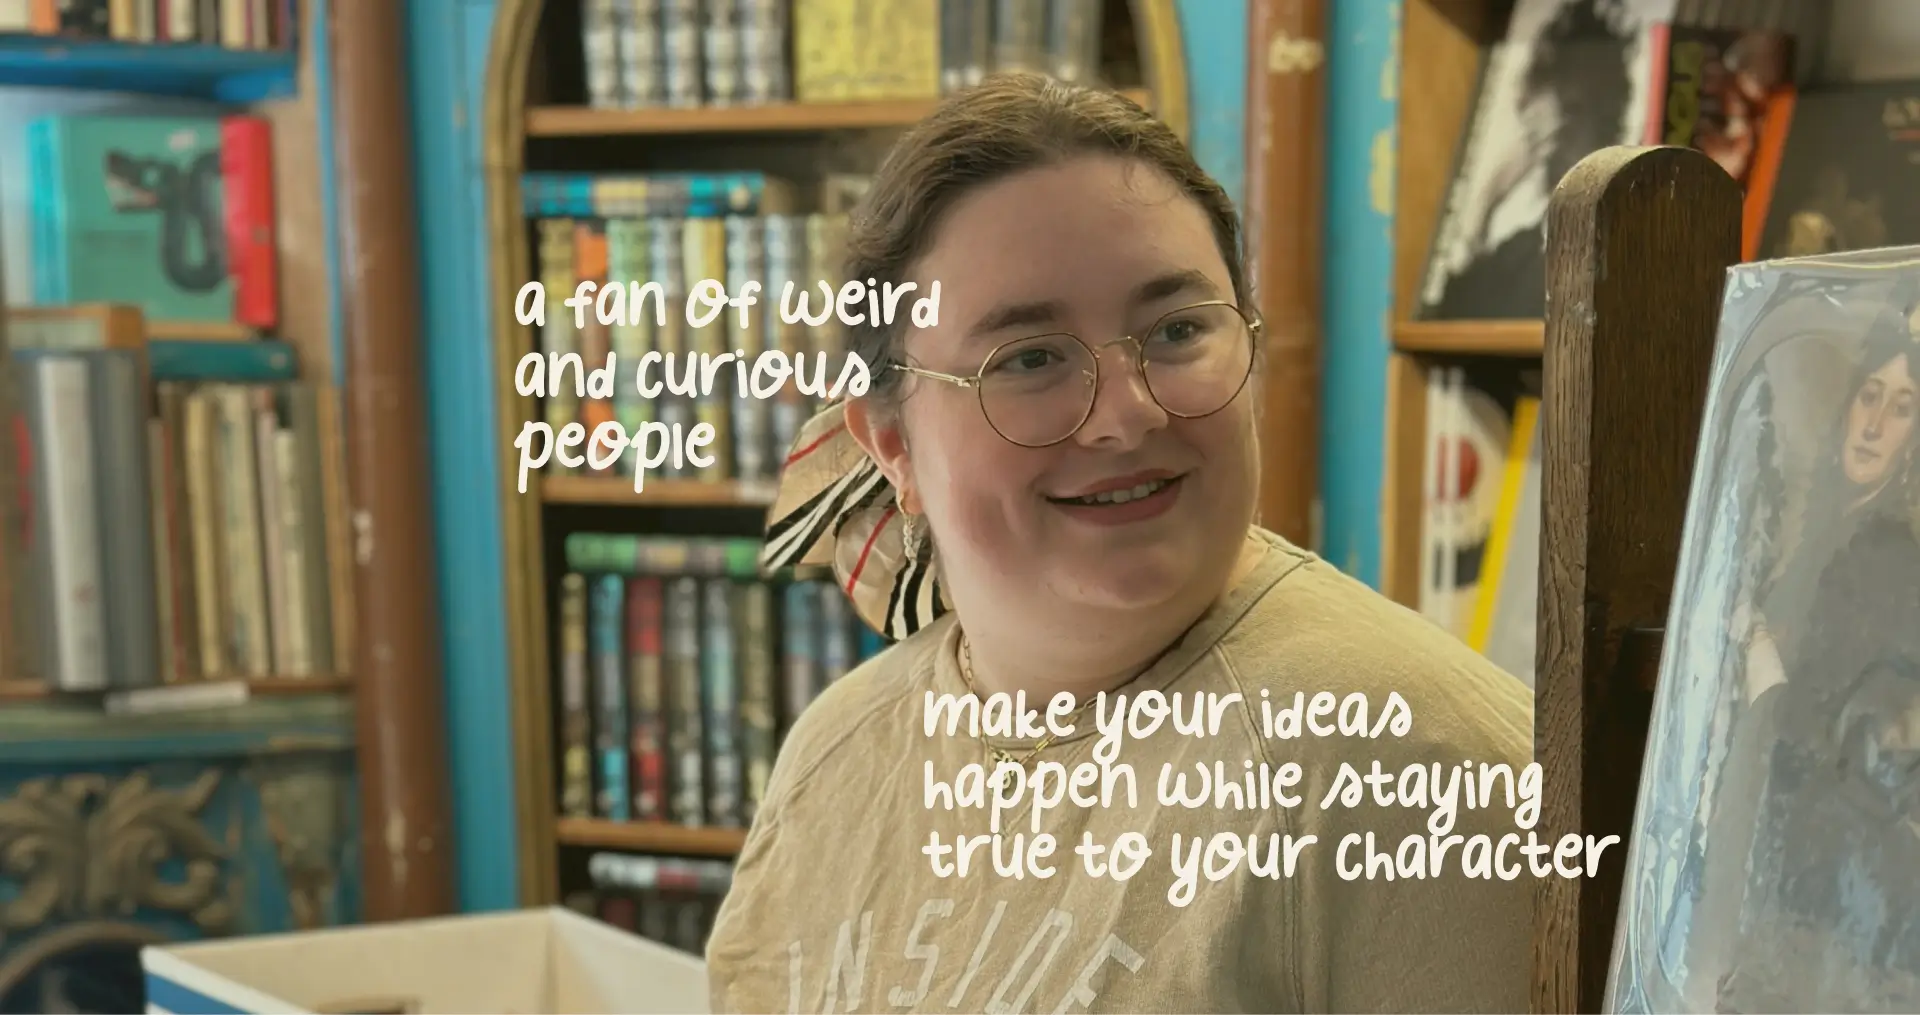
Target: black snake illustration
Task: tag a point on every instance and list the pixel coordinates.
(192, 240)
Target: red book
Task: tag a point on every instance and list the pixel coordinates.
(246, 176)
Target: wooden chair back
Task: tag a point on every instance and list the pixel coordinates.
(1638, 244)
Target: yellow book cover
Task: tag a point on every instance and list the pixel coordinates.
(866, 50)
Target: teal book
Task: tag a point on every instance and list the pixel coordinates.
(258, 360)
(128, 209)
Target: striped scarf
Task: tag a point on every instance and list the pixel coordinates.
(836, 508)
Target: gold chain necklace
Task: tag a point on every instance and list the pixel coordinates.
(998, 755)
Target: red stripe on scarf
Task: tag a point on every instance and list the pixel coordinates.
(822, 439)
(861, 564)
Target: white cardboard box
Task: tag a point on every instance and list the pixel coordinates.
(534, 960)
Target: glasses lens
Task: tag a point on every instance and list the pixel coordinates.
(1038, 391)
(1196, 359)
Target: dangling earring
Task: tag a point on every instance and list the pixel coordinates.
(912, 538)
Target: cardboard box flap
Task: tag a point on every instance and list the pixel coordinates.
(527, 961)
(595, 969)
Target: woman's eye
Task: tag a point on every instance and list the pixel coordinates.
(1178, 332)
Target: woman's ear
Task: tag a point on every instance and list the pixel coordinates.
(877, 431)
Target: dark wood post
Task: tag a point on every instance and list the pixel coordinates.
(1286, 149)
(1638, 244)
(406, 832)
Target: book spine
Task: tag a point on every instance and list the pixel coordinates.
(720, 38)
(746, 261)
(705, 257)
(600, 44)
(203, 500)
(67, 538)
(125, 513)
(667, 268)
(1019, 35)
(800, 640)
(681, 46)
(558, 337)
(246, 179)
(612, 733)
(1073, 40)
(339, 548)
(757, 719)
(309, 497)
(632, 337)
(296, 564)
(177, 534)
(643, 74)
(590, 264)
(836, 632)
(576, 719)
(721, 691)
(258, 361)
(164, 517)
(646, 691)
(684, 731)
(240, 518)
(266, 423)
(786, 242)
(763, 52)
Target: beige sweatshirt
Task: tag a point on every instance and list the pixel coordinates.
(839, 903)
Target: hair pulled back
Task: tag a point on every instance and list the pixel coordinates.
(1006, 125)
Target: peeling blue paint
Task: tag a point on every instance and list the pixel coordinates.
(1358, 274)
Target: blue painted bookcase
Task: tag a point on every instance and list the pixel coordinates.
(450, 48)
(123, 831)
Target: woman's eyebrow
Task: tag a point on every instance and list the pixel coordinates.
(1043, 313)
(1175, 283)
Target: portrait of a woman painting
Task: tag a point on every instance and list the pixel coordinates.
(1800, 715)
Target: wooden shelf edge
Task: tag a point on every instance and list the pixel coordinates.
(618, 491)
(585, 121)
(34, 690)
(1470, 338)
(650, 837)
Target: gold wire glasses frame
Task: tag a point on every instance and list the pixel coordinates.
(1018, 391)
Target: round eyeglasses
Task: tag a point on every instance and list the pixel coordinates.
(1039, 391)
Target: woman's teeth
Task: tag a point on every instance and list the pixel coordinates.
(1122, 496)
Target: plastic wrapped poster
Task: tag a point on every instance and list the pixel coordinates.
(1774, 863)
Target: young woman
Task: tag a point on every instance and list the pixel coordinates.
(1051, 490)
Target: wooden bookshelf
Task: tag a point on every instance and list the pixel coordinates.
(618, 491)
(1440, 52)
(536, 116)
(34, 690)
(792, 117)
(650, 837)
(1469, 338)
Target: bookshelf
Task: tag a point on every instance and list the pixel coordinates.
(181, 70)
(538, 119)
(1441, 52)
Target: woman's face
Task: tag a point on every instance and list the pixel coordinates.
(1100, 248)
(1880, 424)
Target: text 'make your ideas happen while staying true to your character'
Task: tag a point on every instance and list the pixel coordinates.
(761, 375)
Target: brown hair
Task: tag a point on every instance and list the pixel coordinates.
(1008, 124)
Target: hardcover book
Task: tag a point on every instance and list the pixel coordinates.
(128, 209)
(1772, 857)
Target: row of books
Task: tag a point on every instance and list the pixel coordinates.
(680, 670)
(737, 242)
(1826, 167)
(231, 24)
(173, 215)
(686, 53)
(189, 543)
(669, 900)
